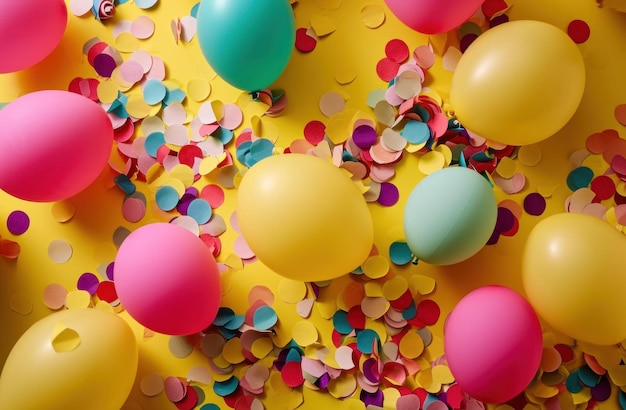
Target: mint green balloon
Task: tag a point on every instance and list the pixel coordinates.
(247, 42)
(449, 216)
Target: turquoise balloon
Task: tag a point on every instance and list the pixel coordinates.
(247, 42)
(449, 216)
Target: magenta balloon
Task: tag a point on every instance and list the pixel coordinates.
(29, 31)
(167, 279)
(433, 16)
(493, 344)
(53, 144)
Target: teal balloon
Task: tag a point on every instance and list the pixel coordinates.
(449, 216)
(247, 42)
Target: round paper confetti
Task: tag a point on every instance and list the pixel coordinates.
(60, 251)
(534, 204)
(578, 31)
(54, 296)
(372, 15)
(18, 222)
(304, 333)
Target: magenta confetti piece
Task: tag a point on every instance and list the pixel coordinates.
(602, 391)
(364, 136)
(109, 270)
(534, 204)
(88, 282)
(183, 203)
(18, 222)
(389, 194)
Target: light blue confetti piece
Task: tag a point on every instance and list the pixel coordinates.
(235, 323)
(416, 132)
(400, 253)
(358, 270)
(153, 142)
(462, 162)
(223, 135)
(573, 384)
(227, 333)
(294, 355)
(226, 387)
(341, 324)
(588, 377)
(166, 198)
(200, 210)
(622, 399)
(145, 4)
(125, 184)
(194, 10)
(175, 95)
(365, 340)
(264, 318)
(260, 149)
(243, 150)
(224, 315)
(120, 111)
(154, 91)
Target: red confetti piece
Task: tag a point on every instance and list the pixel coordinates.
(513, 230)
(397, 51)
(492, 8)
(231, 399)
(356, 317)
(578, 31)
(454, 396)
(188, 154)
(387, 69)
(603, 186)
(428, 312)
(189, 401)
(213, 194)
(314, 132)
(304, 42)
(292, 374)
(566, 352)
(106, 291)
(403, 301)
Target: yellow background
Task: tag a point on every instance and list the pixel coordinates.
(307, 77)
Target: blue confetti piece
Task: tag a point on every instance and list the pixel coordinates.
(264, 318)
(365, 340)
(224, 315)
(235, 323)
(223, 135)
(154, 91)
(243, 150)
(579, 178)
(153, 142)
(294, 355)
(400, 253)
(226, 387)
(341, 324)
(200, 210)
(572, 383)
(588, 377)
(175, 95)
(125, 184)
(209, 406)
(260, 149)
(416, 132)
(166, 198)
(194, 10)
(422, 112)
(410, 312)
(622, 400)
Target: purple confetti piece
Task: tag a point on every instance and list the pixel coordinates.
(389, 194)
(373, 399)
(364, 136)
(109, 270)
(505, 221)
(495, 236)
(323, 381)
(602, 391)
(466, 41)
(18, 222)
(370, 370)
(183, 203)
(534, 204)
(88, 282)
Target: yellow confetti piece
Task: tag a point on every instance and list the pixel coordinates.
(438, 42)
(232, 351)
(262, 347)
(582, 397)
(390, 397)
(21, 303)
(543, 391)
(446, 152)
(78, 299)
(64, 339)
(345, 74)
(411, 345)
(199, 89)
(506, 168)
(156, 175)
(255, 109)
(183, 173)
(617, 374)
(151, 385)
(547, 191)
(233, 261)
(304, 333)
(529, 155)
(343, 386)
(430, 162)
(102, 305)
(395, 287)
(291, 291)
(63, 211)
(125, 42)
(339, 127)
(137, 107)
(372, 15)
(442, 374)
(373, 289)
(328, 4)
(375, 266)
(107, 92)
(424, 285)
(323, 25)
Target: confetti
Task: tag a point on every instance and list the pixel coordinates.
(18, 222)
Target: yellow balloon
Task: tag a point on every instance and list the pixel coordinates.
(77, 358)
(518, 83)
(304, 218)
(574, 277)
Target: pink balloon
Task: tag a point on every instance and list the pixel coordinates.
(167, 279)
(29, 31)
(53, 144)
(433, 16)
(493, 344)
